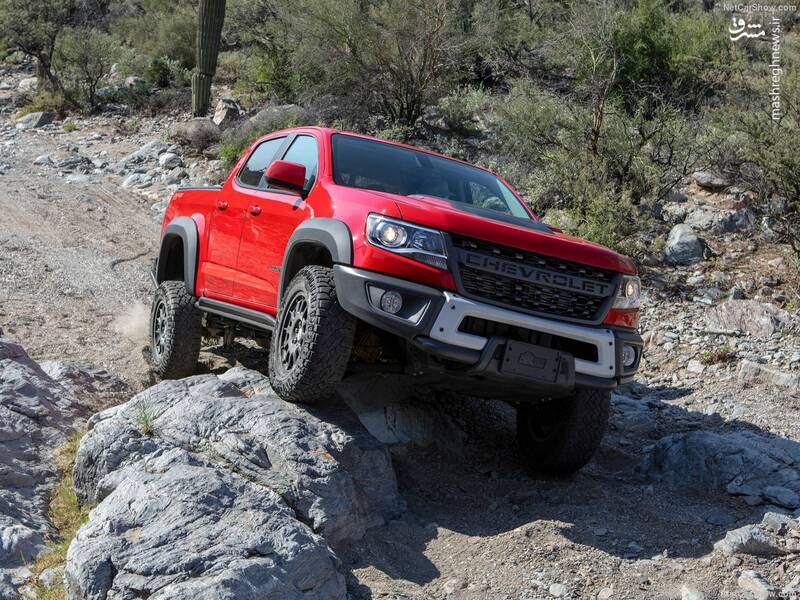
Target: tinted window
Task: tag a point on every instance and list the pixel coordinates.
(304, 151)
(253, 171)
(375, 165)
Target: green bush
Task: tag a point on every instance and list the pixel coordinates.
(83, 58)
(235, 141)
(459, 109)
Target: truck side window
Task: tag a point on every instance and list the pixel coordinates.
(253, 170)
(304, 152)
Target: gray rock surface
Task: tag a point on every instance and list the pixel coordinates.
(226, 450)
(227, 112)
(749, 540)
(750, 316)
(761, 468)
(34, 120)
(177, 527)
(752, 373)
(40, 407)
(683, 246)
(711, 180)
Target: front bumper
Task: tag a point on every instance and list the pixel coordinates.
(432, 321)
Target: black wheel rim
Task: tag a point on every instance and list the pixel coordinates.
(293, 330)
(159, 329)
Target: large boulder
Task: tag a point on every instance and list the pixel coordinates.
(41, 406)
(257, 489)
(683, 246)
(720, 221)
(750, 316)
(179, 528)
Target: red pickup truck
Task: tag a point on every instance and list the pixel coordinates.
(346, 253)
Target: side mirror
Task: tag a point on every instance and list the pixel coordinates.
(287, 176)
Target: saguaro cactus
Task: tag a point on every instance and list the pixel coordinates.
(210, 17)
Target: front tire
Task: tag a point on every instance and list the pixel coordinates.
(559, 437)
(175, 332)
(313, 338)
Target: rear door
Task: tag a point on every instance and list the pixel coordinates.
(271, 218)
(228, 217)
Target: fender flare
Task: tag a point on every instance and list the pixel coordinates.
(185, 229)
(332, 234)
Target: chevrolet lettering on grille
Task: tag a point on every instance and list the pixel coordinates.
(540, 276)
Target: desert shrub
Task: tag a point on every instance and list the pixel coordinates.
(458, 109)
(164, 72)
(236, 140)
(159, 30)
(46, 101)
(82, 59)
(597, 166)
(33, 27)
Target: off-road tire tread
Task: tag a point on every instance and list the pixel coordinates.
(326, 353)
(182, 349)
(580, 433)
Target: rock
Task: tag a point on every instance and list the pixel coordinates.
(695, 367)
(138, 180)
(690, 593)
(451, 586)
(39, 410)
(751, 373)
(198, 134)
(605, 593)
(711, 181)
(741, 462)
(749, 540)
(721, 221)
(169, 160)
(683, 246)
(52, 576)
(73, 162)
(752, 582)
(28, 85)
(176, 176)
(35, 120)
(779, 523)
(177, 527)
(336, 476)
(134, 82)
(750, 316)
(44, 159)
(559, 590)
(227, 112)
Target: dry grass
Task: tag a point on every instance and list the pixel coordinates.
(67, 516)
(720, 355)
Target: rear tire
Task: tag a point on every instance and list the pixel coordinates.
(175, 332)
(559, 437)
(313, 338)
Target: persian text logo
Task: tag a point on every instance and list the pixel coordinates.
(742, 29)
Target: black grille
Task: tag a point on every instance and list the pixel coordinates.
(534, 297)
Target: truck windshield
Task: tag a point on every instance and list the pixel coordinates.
(374, 165)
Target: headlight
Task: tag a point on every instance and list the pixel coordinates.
(629, 293)
(412, 241)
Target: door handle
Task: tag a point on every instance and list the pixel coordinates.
(222, 204)
(255, 210)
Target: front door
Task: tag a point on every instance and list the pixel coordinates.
(226, 222)
(272, 217)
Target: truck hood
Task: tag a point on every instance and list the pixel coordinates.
(501, 229)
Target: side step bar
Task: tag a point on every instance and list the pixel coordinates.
(253, 318)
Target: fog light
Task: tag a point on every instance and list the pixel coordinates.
(628, 356)
(391, 302)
